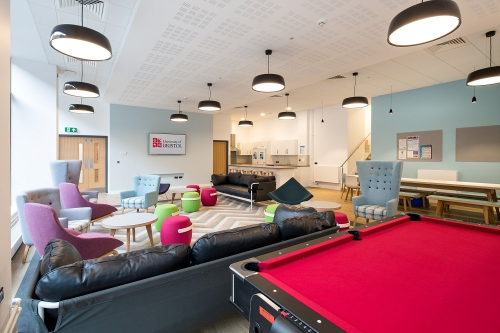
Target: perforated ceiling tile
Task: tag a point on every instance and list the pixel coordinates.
(158, 59)
(291, 22)
(233, 29)
(220, 4)
(258, 11)
(194, 15)
(151, 68)
(200, 56)
(214, 44)
(179, 34)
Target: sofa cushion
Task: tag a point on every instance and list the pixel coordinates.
(88, 276)
(58, 253)
(246, 180)
(305, 224)
(265, 178)
(236, 190)
(286, 211)
(133, 202)
(233, 241)
(219, 179)
(233, 178)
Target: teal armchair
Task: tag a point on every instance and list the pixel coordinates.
(379, 182)
(144, 195)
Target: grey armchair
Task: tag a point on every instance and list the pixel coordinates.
(68, 171)
(75, 218)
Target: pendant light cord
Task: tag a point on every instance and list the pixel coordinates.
(210, 89)
(268, 64)
(81, 76)
(179, 107)
(246, 112)
(355, 85)
(490, 51)
(82, 13)
(391, 96)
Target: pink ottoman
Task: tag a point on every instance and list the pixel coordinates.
(342, 221)
(194, 186)
(209, 197)
(176, 230)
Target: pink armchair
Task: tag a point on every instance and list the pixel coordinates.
(71, 198)
(43, 225)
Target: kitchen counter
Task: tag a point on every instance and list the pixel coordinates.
(263, 166)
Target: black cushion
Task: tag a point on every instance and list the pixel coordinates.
(246, 180)
(305, 224)
(88, 276)
(233, 241)
(234, 178)
(286, 211)
(219, 179)
(265, 178)
(58, 253)
(236, 190)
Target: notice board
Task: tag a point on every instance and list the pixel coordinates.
(478, 144)
(422, 146)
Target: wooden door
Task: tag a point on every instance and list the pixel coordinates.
(220, 157)
(92, 152)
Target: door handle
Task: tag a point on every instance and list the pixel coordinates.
(85, 163)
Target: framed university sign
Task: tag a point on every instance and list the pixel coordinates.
(167, 144)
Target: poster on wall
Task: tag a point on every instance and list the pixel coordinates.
(167, 144)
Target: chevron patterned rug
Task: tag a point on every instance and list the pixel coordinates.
(227, 214)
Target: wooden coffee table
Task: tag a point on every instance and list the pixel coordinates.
(180, 190)
(321, 205)
(131, 221)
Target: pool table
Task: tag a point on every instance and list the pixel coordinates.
(408, 273)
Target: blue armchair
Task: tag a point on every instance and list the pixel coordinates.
(380, 182)
(144, 195)
(68, 171)
(75, 218)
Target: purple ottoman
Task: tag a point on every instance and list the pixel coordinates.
(197, 187)
(209, 197)
(176, 230)
(342, 221)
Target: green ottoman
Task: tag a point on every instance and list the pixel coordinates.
(190, 202)
(269, 213)
(164, 211)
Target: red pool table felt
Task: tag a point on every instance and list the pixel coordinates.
(407, 276)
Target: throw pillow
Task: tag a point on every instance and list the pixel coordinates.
(305, 224)
(219, 179)
(247, 179)
(234, 178)
(58, 253)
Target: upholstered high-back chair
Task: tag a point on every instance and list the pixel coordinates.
(379, 182)
(71, 198)
(144, 195)
(44, 225)
(68, 171)
(75, 219)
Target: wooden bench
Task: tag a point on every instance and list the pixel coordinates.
(424, 192)
(406, 197)
(443, 201)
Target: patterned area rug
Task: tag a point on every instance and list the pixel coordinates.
(227, 214)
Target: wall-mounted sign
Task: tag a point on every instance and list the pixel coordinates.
(70, 129)
(167, 144)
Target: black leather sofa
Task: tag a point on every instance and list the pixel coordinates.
(250, 188)
(161, 289)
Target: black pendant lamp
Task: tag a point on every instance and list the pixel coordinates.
(245, 122)
(209, 105)
(474, 99)
(287, 115)
(268, 82)
(179, 117)
(485, 76)
(390, 110)
(80, 88)
(424, 22)
(355, 101)
(81, 108)
(80, 42)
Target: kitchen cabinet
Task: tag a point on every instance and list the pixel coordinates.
(246, 148)
(284, 147)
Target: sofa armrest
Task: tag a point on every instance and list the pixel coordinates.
(150, 198)
(261, 189)
(127, 194)
(392, 207)
(72, 214)
(91, 194)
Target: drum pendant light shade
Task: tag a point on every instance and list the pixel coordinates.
(287, 115)
(485, 76)
(424, 22)
(81, 89)
(81, 108)
(209, 105)
(355, 101)
(179, 117)
(245, 122)
(268, 82)
(80, 42)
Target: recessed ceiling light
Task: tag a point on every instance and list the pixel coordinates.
(262, 114)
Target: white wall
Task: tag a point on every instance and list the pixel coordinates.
(5, 274)
(34, 124)
(87, 124)
(129, 132)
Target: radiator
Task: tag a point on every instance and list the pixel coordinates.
(326, 174)
(15, 310)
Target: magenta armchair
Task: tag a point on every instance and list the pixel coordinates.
(71, 198)
(43, 225)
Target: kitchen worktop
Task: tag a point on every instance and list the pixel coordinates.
(260, 166)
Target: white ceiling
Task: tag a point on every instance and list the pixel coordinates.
(169, 50)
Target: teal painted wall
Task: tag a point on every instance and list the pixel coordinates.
(444, 107)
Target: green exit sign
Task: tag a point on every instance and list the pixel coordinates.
(70, 129)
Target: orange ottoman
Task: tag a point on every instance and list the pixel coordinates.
(209, 197)
(342, 221)
(176, 230)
